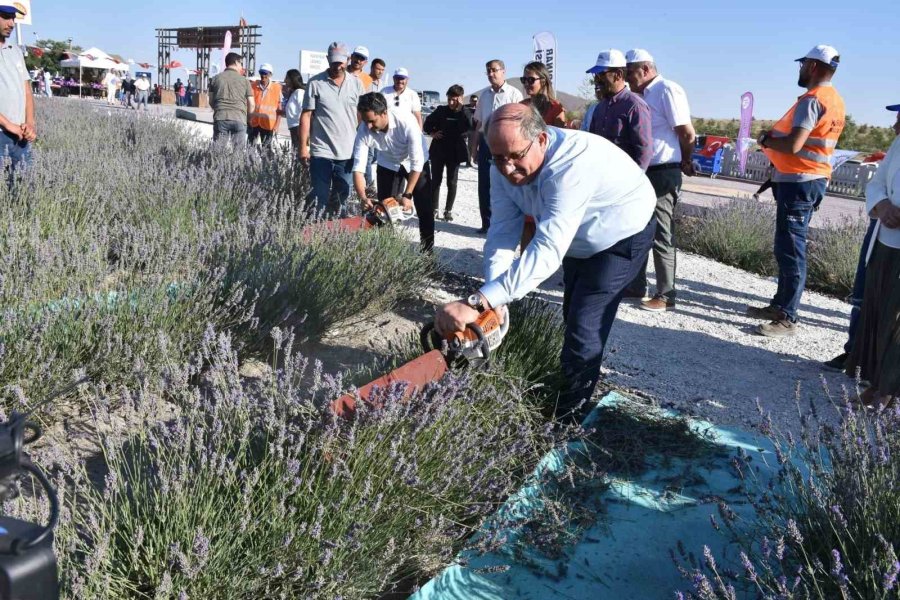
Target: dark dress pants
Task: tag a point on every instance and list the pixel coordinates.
(392, 184)
(484, 183)
(438, 164)
(593, 290)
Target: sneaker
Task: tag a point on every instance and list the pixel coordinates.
(768, 313)
(778, 328)
(448, 216)
(836, 364)
(658, 304)
(756, 196)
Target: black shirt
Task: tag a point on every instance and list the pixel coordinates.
(455, 125)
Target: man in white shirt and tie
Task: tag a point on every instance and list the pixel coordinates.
(594, 212)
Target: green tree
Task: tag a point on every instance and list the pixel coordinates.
(53, 53)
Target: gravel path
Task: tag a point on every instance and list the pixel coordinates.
(700, 358)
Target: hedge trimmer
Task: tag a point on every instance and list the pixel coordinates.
(470, 348)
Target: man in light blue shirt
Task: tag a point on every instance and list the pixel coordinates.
(594, 212)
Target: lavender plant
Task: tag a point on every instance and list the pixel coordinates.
(120, 248)
(825, 526)
(834, 253)
(258, 491)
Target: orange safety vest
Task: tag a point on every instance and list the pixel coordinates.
(815, 155)
(267, 102)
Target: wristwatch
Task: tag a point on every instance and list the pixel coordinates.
(407, 195)
(476, 302)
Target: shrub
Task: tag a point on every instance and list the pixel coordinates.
(827, 524)
(128, 237)
(259, 492)
(739, 233)
(834, 253)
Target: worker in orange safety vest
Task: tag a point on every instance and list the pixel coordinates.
(265, 118)
(800, 146)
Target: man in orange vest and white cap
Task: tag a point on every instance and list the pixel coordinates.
(265, 118)
(800, 146)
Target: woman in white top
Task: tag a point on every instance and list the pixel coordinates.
(876, 351)
(293, 104)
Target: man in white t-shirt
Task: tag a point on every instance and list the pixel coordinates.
(673, 144)
(402, 97)
(141, 92)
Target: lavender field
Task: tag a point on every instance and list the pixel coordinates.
(155, 266)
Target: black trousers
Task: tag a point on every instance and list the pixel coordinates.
(438, 164)
(392, 184)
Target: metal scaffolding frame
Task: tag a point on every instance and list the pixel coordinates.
(244, 39)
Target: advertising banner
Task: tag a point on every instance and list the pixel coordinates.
(545, 52)
(744, 141)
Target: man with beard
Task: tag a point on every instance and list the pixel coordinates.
(328, 129)
(621, 116)
(16, 99)
(402, 97)
(594, 212)
(800, 146)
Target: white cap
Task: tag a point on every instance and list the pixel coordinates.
(362, 51)
(638, 55)
(266, 68)
(608, 59)
(401, 72)
(826, 54)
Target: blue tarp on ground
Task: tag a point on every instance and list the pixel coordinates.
(626, 554)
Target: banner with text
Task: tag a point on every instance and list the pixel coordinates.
(744, 141)
(545, 52)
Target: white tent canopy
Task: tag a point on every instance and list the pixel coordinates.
(95, 58)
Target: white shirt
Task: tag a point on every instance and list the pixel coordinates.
(489, 101)
(293, 107)
(886, 184)
(141, 84)
(409, 99)
(668, 109)
(400, 146)
(588, 196)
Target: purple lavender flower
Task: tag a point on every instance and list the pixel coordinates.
(890, 576)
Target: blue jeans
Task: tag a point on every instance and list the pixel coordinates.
(236, 131)
(859, 287)
(16, 151)
(330, 178)
(593, 290)
(796, 202)
(484, 183)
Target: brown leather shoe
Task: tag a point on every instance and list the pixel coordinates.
(658, 304)
(768, 313)
(778, 328)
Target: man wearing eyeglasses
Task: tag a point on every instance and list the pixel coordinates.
(403, 172)
(402, 97)
(594, 212)
(497, 94)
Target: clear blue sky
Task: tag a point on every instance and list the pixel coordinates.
(715, 50)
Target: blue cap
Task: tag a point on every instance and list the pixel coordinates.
(893, 107)
(9, 9)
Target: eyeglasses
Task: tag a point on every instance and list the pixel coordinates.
(494, 70)
(515, 156)
(396, 100)
(529, 80)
